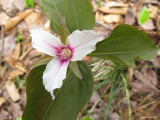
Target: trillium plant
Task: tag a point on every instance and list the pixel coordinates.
(61, 83)
(78, 45)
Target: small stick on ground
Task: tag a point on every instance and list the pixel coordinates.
(2, 41)
(102, 24)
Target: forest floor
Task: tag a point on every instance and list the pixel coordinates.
(143, 77)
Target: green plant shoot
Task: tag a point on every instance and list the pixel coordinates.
(29, 3)
(143, 16)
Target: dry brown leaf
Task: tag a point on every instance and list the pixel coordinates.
(149, 25)
(114, 116)
(22, 26)
(158, 24)
(10, 61)
(113, 18)
(15, 110)
(132, 103)
(12, 22)
(121, 11)
(132, 11)
(152, 1)
(15, 55)
(20, 66)
(25, 53)
(153, 12)
(110, 4)
(4, 115)
(130, 17)
(99, 16)
(23, 100)
(12, 90)
(14, 73)
(152, 108)
(96, 97)
(34, 19)
(4, 17)
(8, 6)
(9, 43)
(2, 73)
(96, 113)
(19, 4)
(96, 100)
(146, 81)
(156, 61)
(2, 101)
(33, 53)
(138, 5)
(15, 64)
(125, 114)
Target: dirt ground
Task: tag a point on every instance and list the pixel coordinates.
(18, 55)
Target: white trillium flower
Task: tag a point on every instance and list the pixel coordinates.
(78, 45)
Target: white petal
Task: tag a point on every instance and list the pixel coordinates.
(45, 42)
(82, 43)
(54, 74)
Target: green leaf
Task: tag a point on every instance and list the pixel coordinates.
(78, 14)
(31, 3)
(99, 2)
(18, 40)
(42, 61)
(63, 30)
(74, 68)
(125, 44)
(70, 99)
(26, 4)
(143, 16)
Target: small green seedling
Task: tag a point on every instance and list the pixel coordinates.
(99, 2)
(29, 3)
(86, 118)
(19, 82)
(143, 16)
(19, 118)
(18, 40)
(37, 55)
(5, 67)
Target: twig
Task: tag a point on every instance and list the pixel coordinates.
(2, 41)
(95, 105)
(127, 95)
(25, 54)
(102, 24)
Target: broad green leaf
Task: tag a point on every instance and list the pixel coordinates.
(78, 14)
(70, 99)
(125, 44)
(143, 16)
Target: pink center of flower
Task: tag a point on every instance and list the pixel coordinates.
(64, 53)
